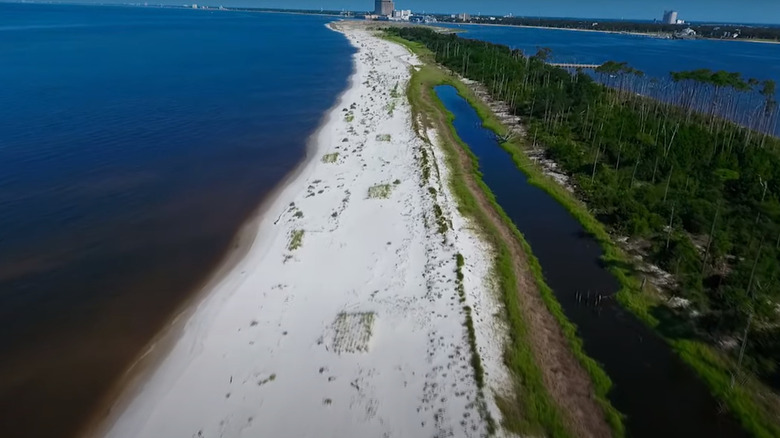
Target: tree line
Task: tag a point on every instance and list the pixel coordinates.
(715, 31)
(699, 193)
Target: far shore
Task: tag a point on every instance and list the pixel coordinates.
(644, 34)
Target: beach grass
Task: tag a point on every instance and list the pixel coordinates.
(330, 158)
(380, 191)
(384, 137)
(296, 240)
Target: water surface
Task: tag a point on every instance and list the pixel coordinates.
(133, 144)
(655, 56)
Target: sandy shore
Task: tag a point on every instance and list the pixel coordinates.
(343, 318)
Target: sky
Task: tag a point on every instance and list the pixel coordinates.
(744, 11)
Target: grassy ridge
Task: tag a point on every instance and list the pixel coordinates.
(754, 411)
(531, 410)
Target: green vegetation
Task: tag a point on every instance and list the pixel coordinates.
(384, 137)
(330, 158)
(394, 92)
(380, 191)
(440, 219)
(296, 240)
(476, 361)
(698, 193)
(390, 109)
(530, 410)
(349, 117)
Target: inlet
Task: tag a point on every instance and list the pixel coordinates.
(652, 387)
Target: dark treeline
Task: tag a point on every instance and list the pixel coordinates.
(698, 193)
(726, 31)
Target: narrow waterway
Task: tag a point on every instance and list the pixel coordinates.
(659, 394)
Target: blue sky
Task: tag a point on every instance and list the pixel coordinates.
(744, 11)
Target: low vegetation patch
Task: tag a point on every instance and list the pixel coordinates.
(296, 240)
(380, 191)
(330, 158)
(476, 361)
(384, 137)
(394, 92)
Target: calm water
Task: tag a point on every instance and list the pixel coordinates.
(133, 143)
(660, 396)
(656, 57)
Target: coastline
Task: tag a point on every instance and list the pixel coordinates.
(160, 376)
(126, 388)
(643, 34)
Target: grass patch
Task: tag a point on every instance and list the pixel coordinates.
(391, 108)
(349, 117)
(380, 191)
(441, 221)
(296, 240)
(330, 158)
(394, 92)
(384, 137)
(530, 410)
(476, 361)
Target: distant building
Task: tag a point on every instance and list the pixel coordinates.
(464, 17)
(194, 6)
(384, 7)
(670, 17)
(685, 34)
(402, 14)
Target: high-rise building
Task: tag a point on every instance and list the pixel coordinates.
(670, 17)
(384, 7)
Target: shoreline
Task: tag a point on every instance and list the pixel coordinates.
(128, 385)
(156, 378)
(643, 34)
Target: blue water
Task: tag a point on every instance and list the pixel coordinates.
(133, 144)
(656, 57)
(659, 395)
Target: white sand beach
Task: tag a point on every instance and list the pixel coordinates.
(343, 319)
